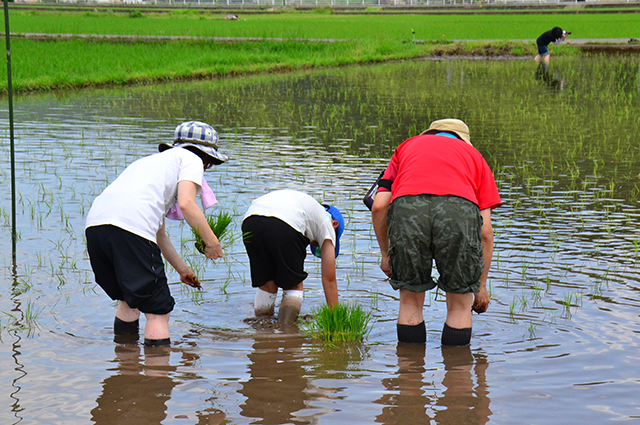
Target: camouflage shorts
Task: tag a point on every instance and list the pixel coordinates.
(447, 229)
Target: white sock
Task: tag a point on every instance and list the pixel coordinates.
(293, 294)
(264, 302)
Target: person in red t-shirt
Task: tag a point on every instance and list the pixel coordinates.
(434, 203)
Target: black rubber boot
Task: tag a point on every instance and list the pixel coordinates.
(416, 334)
(455, 337)
(157, 342)
(125, 332)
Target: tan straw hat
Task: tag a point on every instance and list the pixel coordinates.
(453, 125)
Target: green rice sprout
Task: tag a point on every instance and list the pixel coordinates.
(345, 322)
(219, 224)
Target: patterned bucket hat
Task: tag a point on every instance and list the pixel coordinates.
(199, 135)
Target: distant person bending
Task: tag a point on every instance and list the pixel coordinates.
(278, 227)
(554, 35)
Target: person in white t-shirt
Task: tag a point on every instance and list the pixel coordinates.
(125, 230)
(278, 227)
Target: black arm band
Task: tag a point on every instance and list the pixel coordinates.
(385, 183)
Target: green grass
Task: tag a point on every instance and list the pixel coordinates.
(478, 26)
(50, 65)
(220, 224)
(344, 322)
(78, 63)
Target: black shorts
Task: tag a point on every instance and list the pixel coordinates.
(276, 251)
(129, 268)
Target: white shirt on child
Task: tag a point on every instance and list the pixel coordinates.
(298, 210)
(138, 199)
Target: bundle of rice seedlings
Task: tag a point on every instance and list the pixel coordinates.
(220, 225)
(345, 322)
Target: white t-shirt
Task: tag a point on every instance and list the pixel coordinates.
(139, 198)
(299, 211)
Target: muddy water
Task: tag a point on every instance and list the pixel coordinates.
(560, 342)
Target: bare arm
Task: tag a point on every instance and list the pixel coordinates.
(187, 275)
(195, 218)
(379, 218)
(482, 298)
(328, 270)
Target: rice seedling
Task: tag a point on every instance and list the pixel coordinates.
(224, 285)
(21, 286)
(197, 296)
(524, 301)
(531, 329)
(220, 225)
(375, 299)
(31, 315)
(512, 307)
(343, 322)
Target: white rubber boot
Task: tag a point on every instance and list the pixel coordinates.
(290, 307)
(264, 303)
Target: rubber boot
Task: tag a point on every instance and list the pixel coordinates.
(290, 307)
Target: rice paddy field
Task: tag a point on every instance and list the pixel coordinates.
(561, 339)
(109, 47)
(322, 24)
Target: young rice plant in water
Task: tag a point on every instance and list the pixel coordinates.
(219, 225)
(342, 323)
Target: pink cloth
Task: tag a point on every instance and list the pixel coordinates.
(207, 198)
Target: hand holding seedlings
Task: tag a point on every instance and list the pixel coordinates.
(220, 227)
(212, 251)
(190, 278)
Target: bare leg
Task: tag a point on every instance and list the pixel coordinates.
(459, 310)
(126, 313)
(126, 327)
(411, 327)
(411, 304)
(537, 58)
(157, 326)
(270, 287)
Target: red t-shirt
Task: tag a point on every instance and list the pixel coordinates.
(441, 165)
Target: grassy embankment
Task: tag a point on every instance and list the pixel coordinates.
(54, 64)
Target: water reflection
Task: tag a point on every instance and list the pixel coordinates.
(278, 385)
(139, 388)
(406, 401)
(553, 80)
(464, 399)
